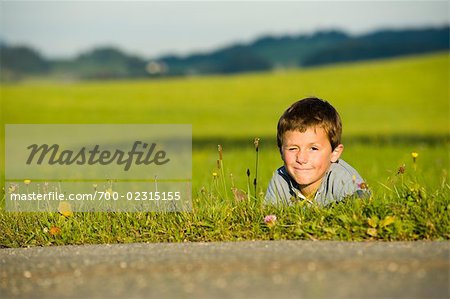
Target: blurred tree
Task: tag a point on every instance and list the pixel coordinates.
(242, 59)
(109, 62)
(22, 60)
(381, 44)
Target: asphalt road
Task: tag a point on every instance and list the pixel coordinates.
(260, 269)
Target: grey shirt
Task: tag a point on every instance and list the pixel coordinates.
(340, 181)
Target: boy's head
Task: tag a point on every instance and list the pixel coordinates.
(311, 113)
(309, 139)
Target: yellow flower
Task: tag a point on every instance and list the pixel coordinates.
(372, 232)
(414, 156)
(27, 182)
(65, 209)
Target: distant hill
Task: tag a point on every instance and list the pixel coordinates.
(273, 52)
(264, 53)
(381, 44)
(320, 48)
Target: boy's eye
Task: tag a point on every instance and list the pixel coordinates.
(314, 148)
(292, 149)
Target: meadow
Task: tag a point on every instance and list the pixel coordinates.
(390, 109)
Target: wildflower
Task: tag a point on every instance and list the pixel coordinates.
(54, 230)
(238, 194)
(27, 182)
(255, 181)
(27, 274)
(388, 220)
(13, 188)
(372, 232)
(65, 209)
(363, 186)
(219, 148)
(256, 142)
(270, 220)
(214, 174)
(414, 156)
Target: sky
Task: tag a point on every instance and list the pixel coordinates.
(64, 29)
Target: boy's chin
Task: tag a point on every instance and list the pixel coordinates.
(302, 182)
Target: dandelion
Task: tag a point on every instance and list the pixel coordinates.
(270, 220)
(371, 231)
(414, 156)
(214, 174)
(65, 209)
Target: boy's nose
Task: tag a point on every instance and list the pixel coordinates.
(302, 157)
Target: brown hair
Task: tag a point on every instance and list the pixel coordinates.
(310, 113)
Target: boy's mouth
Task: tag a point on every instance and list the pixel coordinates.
(302, 169)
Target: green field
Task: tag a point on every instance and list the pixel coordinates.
(389, 109)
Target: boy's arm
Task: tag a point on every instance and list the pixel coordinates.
(353, 184)
(277, 191)
(356, 188)
(272, 193)
(344, 182)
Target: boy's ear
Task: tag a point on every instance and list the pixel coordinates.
(337, 153)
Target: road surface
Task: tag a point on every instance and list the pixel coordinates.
(250, 269)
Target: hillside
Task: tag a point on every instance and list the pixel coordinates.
(309, 50)
(265, 53)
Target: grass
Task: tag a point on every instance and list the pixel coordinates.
(389, 108)
(406, 211)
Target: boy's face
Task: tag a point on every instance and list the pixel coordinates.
(307, 157)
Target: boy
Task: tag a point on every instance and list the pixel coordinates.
(309, 140)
